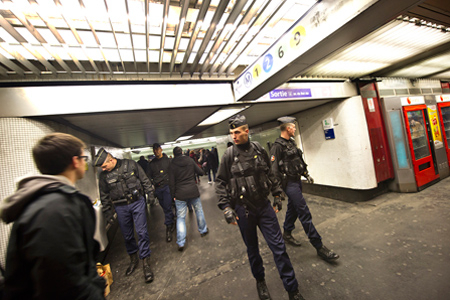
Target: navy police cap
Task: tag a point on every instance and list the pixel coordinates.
(100, 158)
(237, 121)
(286, 119)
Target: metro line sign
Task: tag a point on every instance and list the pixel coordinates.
(320, 21)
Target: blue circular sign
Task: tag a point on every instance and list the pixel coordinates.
(268, 63)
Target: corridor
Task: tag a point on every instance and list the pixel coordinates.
(395, 246)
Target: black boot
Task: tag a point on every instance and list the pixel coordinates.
(263, 291)
(287, 236)
(326, 254)
(169, 230)
(148, 274)
(295, 296)
(134, 261)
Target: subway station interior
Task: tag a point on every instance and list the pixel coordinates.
(368, 82)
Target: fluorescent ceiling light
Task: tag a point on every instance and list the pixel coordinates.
(221, 115)
(182, 138)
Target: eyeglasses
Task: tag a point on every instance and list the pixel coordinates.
(83, 157)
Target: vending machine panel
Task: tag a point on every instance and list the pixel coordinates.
(444, 113)
(419, 142)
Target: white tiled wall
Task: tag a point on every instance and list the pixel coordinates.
(17, 138)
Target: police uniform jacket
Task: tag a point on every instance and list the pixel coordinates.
(158, 171)
(51, 251)
(287, 160)
(116, 184)
(182, 178)
(248, 154)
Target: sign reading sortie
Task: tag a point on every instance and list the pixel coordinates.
(290, 93)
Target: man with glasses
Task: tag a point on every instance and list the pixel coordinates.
(123, 182)
(51, 251)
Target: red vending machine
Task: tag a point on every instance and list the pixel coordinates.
(420, 142)
(443, 103)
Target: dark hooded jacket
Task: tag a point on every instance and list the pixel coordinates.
(51, 251)
(182, 178)
(158, 171)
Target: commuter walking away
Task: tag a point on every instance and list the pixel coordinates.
(211, 165)
(288, 166)
(123, 183)
(158, 173)
(185, 191)
(194, 157)
(243, 184)
(51, 251)
(143, 163)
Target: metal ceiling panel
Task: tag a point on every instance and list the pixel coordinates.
(91, 39)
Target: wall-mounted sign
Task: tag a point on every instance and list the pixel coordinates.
(412, 100)
(328, 128)
(290, 93)
(442, 98)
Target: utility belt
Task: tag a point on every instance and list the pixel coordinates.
(132, 197)
(293, 177)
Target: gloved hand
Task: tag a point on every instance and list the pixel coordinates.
(309, 178)
(277, 205)
(230, 215)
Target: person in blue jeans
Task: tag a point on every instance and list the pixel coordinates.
(184, 191)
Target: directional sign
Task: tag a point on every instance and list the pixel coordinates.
(324, 18)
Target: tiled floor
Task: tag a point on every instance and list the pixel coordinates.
(396, 246)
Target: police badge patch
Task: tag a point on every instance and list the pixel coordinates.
(272, 158)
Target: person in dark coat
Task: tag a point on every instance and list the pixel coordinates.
(158, 173)
(288, 167)
(51, 251)
(123, 184)
(194, 157)
(143, 163)
(211, 165)
(184, 190)
(243, 184)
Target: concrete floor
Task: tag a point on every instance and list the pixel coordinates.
(395, 246)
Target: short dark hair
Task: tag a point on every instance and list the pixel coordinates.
(156, 146)
(53, 153)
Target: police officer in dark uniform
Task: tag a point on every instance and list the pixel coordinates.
(243, 183)
(123, 182)
(288, 166)
(158, 173)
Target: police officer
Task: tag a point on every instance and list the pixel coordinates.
(243, 184)
(123, 182)
(158, 173)
(288, 166)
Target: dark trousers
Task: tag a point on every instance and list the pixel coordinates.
(165, 200)
(133, 216)
(266, 219)
(297, 208)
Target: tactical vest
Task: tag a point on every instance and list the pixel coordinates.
(123, 183)
(249, 184)
(291, 162)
